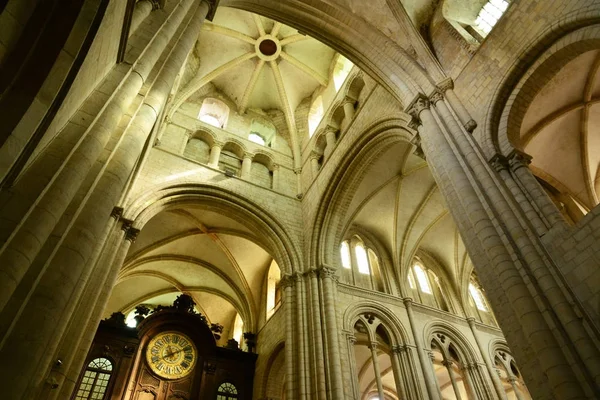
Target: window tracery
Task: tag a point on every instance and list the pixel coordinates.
(511, 379)
(95, 380)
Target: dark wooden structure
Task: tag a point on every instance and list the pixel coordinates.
(132, 378)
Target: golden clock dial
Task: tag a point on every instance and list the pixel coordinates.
(171, 355)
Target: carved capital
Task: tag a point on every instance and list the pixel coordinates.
(470, 125)
(275, 167)
(373, 345)
(297, 171)
(314, 155)
(399, 349)
(218, 144)
(446, 84)
(312, 273)
(420, 103)
(117, 213)
(328, 273)
(518, 159)
(249, 155)
(431, 355)
(352, 339)
(407, 301)
(436, 97)
(499, 162)
(131, 234)
(448, 363)
(287, 281)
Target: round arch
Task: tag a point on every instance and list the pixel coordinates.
(270, 233)
(278, 351)
(574, 29)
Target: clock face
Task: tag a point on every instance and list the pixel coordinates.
(171, 355)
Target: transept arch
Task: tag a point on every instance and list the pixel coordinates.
(328, 226)
(271, 234)
(569, 30)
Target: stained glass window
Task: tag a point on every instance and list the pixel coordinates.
(95, 380)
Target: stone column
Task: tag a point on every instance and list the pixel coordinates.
(99, 294)
(470, 372)
(215, 153)
(430, 381)
(275, 184)
(513, 382)
(400, 377)
(500, 164)
(519, 163)
(508, 258)
(376, 369)
(330, 132)
(28, 238)
(499, 389)
(329, 280)
(50, 305)
(349, 111)
(447, 87)
(142, 9)
(301, 362)
(317, 335)
(448, 364)
(352, 360)
(247, 165)
(314, 164)
(287, 283)
(184, 142)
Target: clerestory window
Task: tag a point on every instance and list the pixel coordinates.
(490, 14)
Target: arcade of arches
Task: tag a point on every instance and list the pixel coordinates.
(269, 199)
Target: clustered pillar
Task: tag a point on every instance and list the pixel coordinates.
(42, 321)
(522, 283)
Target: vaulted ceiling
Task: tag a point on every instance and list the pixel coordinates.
(199, 252)
(561, 130)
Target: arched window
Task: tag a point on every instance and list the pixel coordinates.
(425, 287)
(315, 115)
(262, 132)
(95, 380)
(256, 138)
(489, 15)
(477, 297)
(214, 112)
(361, 259)
(238, 329)
(342, 69)
(273, 290)
(345, 253)
(360, 265)
(448, 370)
(478, 304)
(227, 391)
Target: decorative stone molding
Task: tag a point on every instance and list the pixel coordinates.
(448, 363)
(117, 213)
(131, 234)
(275, 167)
(470, 125)
(420, 103)
(328, 273)
(287, 281)
(352, 339)
(416, 140)
(436, 97)
(446, 84)
(518, 159)
(499, 163)
(399, 349)
(431, 355)
(373, 345)
(297, 171)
